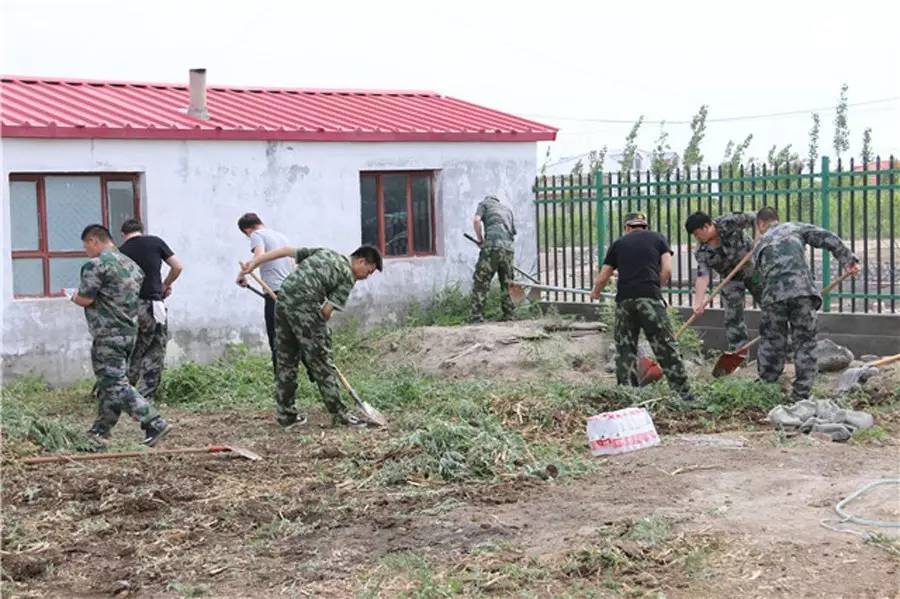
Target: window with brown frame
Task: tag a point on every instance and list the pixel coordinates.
(48, 212)
(398, 212)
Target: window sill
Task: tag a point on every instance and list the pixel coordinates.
(413, 257)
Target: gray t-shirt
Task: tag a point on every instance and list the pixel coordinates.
(274, 272)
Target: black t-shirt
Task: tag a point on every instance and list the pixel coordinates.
(636, 256)
(149, 252)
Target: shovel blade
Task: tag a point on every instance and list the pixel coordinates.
(519, 293)
(373, 416)
(648, 371)
(244, 453)
(727, 363)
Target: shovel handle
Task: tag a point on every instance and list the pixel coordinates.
(518, 270)
(715, 292)
(122, 454)
(346, 384)
(262, 284)
(884, 361)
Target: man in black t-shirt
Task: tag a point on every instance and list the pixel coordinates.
(644, 262)
(149, 355)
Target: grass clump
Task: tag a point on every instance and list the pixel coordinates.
(457, 451)
(238, 377)
(26, 431)
(452, 306)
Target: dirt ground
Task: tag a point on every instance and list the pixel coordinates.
(744, 511)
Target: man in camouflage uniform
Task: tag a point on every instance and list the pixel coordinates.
(108, 292)
(790, 297)
(723, 243)
(496, 255)
(321, 284)
(644, 262)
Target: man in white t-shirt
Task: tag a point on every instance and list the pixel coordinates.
(262, 240)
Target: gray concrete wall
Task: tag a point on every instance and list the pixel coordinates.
(863, 333)
(193, 193)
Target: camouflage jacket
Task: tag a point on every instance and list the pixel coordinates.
(113, 280)
(780, 257)
(499, 224)
(734, 244)
(321, 273)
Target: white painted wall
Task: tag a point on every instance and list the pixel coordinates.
(193, 193)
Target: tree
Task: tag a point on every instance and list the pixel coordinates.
(596, 158)
(729, 148)
(546, 162)
(814, 141)
(866, 155)
(578, 168)
(660, 164)
(630, 150)
(692, 155)
(783, 158)
(841, 129)
(738, 153)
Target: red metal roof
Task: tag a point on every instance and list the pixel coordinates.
(68, 108)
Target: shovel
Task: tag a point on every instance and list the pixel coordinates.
(728, 362)
(648, 370)
(851, 376)
(372, 415)
(83, 457)
(518, 270)
(519, 290)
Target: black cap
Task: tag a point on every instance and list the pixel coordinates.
(636, 219)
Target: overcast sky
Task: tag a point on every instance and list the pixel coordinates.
(557, 62)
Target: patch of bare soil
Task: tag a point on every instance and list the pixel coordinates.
(301, 523)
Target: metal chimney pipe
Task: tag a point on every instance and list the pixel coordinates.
(198, 94)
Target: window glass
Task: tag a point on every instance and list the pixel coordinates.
(24, 215)
(72, 204)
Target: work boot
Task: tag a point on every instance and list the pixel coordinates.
(289, 422)
(476, 319)
(155, 431)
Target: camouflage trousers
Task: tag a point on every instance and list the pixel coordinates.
(303, 337)
(109, 358)
(795, 317)
(492, 260)
(648, 315)
(148, 359)
(733, 300)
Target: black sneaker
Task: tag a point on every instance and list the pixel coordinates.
(350, 420)
(291, 422)
(155, 431)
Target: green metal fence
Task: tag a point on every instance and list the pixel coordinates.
(578, 216)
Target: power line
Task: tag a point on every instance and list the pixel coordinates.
(748, 117)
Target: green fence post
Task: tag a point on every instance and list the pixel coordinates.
(825, 198)
(601, 219)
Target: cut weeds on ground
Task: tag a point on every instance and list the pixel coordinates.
(482, 485)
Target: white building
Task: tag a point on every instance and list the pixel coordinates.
(401, 170)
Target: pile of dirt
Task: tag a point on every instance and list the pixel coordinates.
(519, 350)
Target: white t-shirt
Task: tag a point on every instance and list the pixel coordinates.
(274, 272)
